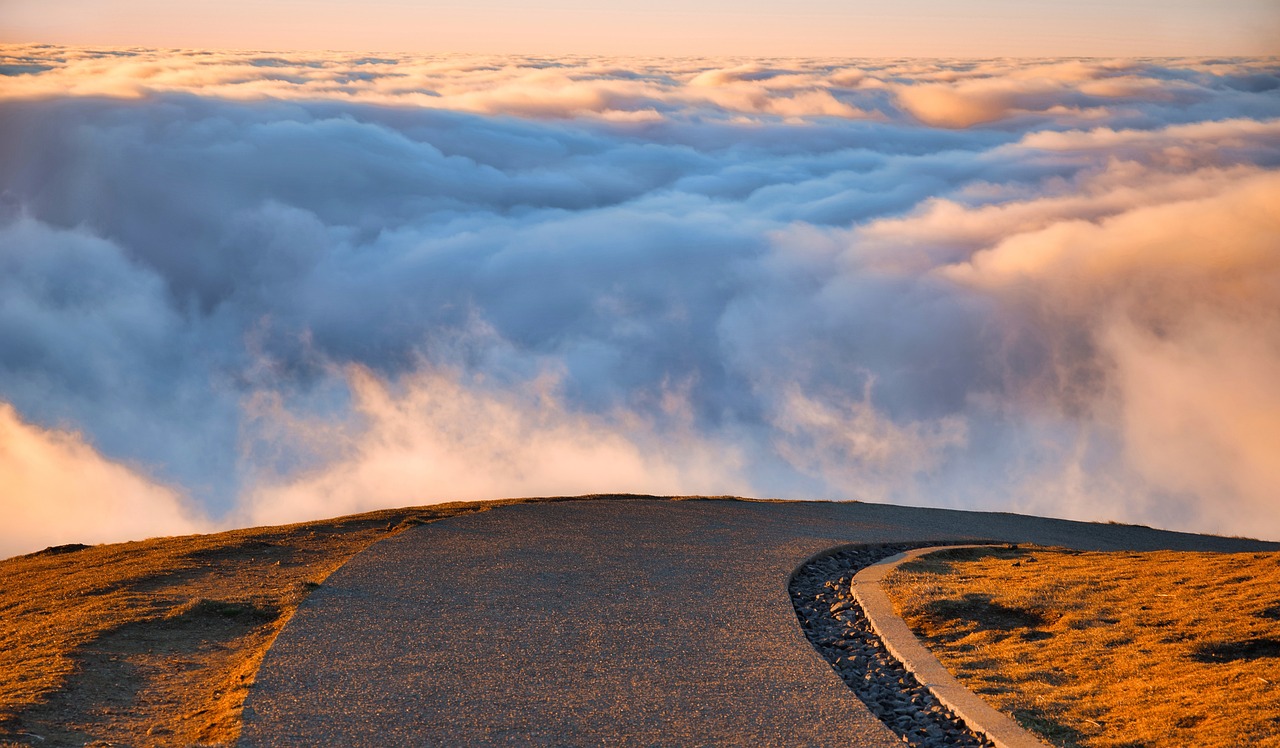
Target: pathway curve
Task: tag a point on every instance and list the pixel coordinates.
(607, 622)
(897, 637)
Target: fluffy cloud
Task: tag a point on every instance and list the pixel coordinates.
(1162, 322)
(948, 94)
(58, 490)
(292, 285)
(437, 436)
(857, 447)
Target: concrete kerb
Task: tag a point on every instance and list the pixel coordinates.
(904, 645)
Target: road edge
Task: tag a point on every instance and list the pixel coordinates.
(902, 643)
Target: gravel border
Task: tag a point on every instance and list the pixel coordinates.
(821, 591)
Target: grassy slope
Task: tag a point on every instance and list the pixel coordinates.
(1108, 649)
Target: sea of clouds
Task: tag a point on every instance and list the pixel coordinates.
(241, 288)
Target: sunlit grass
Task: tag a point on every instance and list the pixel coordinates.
(1108, 649)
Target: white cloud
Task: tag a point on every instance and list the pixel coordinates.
(860, 449)
(433, 436)
(293, 285)
(59, 490)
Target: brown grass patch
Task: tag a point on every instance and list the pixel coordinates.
(157, 642)
(1108, 649)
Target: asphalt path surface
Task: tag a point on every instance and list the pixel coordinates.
(603, 622)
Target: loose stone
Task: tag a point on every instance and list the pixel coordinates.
(837, 628)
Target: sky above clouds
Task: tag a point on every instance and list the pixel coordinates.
(239, 288)
(846, 28)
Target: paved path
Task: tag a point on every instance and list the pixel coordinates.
(619, 622)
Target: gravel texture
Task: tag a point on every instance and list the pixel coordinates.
(618, 623)
(621, 622)
(835, 625)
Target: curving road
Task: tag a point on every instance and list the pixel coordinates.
(602, 622)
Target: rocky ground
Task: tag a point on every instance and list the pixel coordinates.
(835, 625)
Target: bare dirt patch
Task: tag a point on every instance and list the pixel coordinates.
(1108, 649)
(157, 642)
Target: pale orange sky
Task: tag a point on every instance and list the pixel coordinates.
(849, 28)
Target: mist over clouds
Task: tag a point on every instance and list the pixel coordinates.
(241, 288)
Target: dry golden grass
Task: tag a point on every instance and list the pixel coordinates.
(1108, 649)
(157, 642)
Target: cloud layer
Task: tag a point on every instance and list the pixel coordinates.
(59, 490)
(279, 287)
